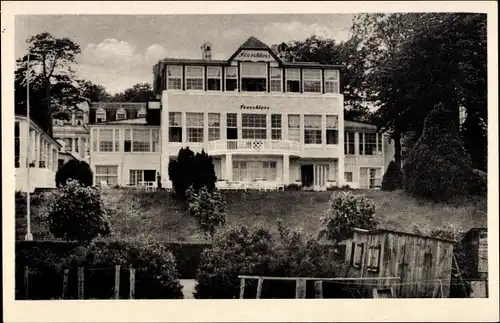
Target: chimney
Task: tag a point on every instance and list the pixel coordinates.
(282, 49)
(206, 51)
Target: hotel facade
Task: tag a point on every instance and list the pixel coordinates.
(260, 117)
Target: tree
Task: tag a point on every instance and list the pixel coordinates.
(208, 208)
(52, 79)
(438, 167)
(393, 178)
(78, 214)
(74, 170)
(140, 92)
(93, 92)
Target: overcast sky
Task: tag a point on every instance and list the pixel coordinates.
(119, 51)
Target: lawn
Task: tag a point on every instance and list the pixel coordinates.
(160, 216)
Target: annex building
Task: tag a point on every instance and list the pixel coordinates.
(260, 117)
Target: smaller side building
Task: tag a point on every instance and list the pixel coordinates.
(422, 263)
(41, 156)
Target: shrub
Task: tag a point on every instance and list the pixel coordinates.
(345, 212)
(191, 170)
(208, 208)
(438, 167)
(77, 213)
(76, 170)
(478, 183)
(156, 273)
(293, 187)
(393, 178)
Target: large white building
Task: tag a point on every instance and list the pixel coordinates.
(40, 156)
(260, 117)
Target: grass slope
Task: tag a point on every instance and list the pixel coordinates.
(160, 216)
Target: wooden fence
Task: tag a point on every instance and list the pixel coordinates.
(81, 283)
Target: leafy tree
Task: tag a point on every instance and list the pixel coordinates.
(140, 92)
(438, 167)
(74, 170)
(208, 208)
(93, 92)
(53, 83)
(78, 214)
(393, 178)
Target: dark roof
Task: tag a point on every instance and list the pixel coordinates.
(194, 61)
(379, 231)
(253, 43)
(358, 125)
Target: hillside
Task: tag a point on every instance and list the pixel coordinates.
(160, 216)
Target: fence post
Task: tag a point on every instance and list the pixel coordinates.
(318, 288)
(26, 281)
(81, 283)
(132, 283)
(65, 283)
(242, 287)
(117, 281)
(259, 287)
(300, 288)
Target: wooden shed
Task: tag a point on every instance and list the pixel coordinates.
(422, 263)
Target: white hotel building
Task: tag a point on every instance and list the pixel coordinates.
(258, 116)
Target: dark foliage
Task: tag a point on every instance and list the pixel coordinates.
(393, 178)
(77, 170)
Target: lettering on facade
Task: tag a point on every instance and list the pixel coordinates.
(254, 56)
(253, 107)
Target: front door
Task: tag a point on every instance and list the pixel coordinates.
(320, 175)
(307, 175)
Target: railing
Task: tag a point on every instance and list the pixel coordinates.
(254, 145)
(118, 105)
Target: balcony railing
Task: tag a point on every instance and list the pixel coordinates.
(254, 146)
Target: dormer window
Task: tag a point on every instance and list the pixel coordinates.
(100, 115)
(254, 77)
(121, 114)
(194, 77)
(79, 118)
(174, 76)
(332, 81)
(276, 80)
(231, 78)
(141, 113)
(312, 80)
(214, 78)
(292, 80)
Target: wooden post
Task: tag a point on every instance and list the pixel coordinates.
(26, 282)
(300, 288)
(65, 283)
(318, 288)
(259, 287)
(132, 283)
(242, 287)
(117, 282)
(81, 283)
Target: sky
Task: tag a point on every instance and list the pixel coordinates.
(118, 51)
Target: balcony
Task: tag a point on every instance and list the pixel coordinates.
(254, 146)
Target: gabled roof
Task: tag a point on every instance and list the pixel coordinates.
(253, 43)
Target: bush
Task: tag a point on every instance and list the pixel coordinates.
(438, 167)
(293, 187)
(478, 183)
(156, 275)
(74, 169)
(77, 213)
(345, 212)
(191, 170)
(187, 256)
(393, 178)
(208, 208)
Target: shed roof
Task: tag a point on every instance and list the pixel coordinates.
(380, 231)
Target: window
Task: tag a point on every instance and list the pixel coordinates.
(213, 126)
(106, 173)
(331, 81)
(77, 145)
(231, 78)
(270, 172)
(292, 80)
(332, 132)
(54, 159)
(106, 140)
(311, 80)
(231, 126)
(349, 143)
(239, 170)
(127, 141)
(121, 114)
(276, 80)
(380, 141)
(137, 176)
(17, 145)
(375, 177)
(312, 129)
(368, 143)
(294, 127)
(141, 140)
(156, 139)
(79, 118)
(175, 127)
(357, 254)
(100, 115)
(94, 140)
(194, 125)
(214, 78)
(174, 77)
(276, 126)
(194, 77)
(253, 126)
(348, 176)
(141, 113)
(373, 259)
(254, 77)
